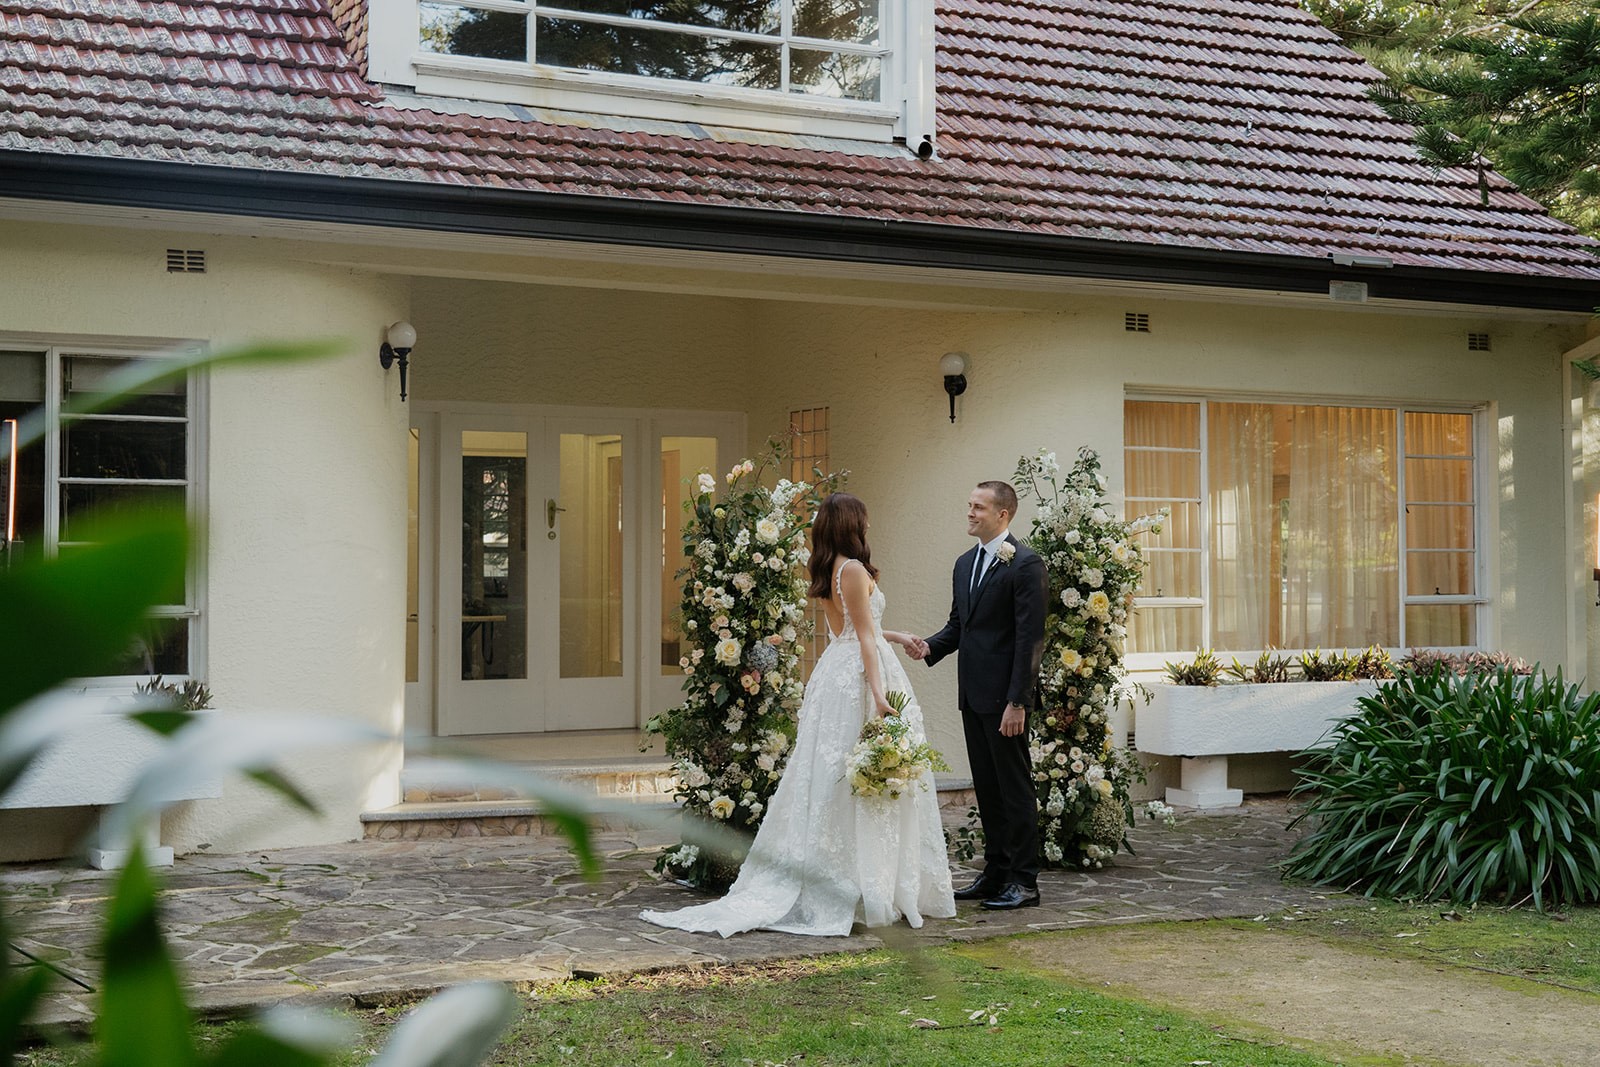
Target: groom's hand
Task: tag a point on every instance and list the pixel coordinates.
(1014, 721)
(917, 648)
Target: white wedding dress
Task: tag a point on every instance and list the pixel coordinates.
(825, 858)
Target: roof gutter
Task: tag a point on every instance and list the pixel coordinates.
(481, 210)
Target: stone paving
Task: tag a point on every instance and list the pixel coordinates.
(372, 921)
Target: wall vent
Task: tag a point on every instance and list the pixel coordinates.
(1477, 342)
(186, 261)
(1136, 321)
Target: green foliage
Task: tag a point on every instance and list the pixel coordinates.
(1427, 660)
(744, 619)
(1491, 85)
(1269, 667)
(1319, 666)
(1203, 669)
(1467, 788)
(192, 695)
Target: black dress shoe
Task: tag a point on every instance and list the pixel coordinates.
(1013, 896)
(981, 889)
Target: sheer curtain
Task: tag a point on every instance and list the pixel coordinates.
(1441, 555)
(1342, 556)
(1162, 469)
(1244, 590)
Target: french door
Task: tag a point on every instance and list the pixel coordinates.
(536, 561)
(545, 548)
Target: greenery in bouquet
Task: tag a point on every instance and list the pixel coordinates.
(744, 622)
(888, 759)
(1094, 564)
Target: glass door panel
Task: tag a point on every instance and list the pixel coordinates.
(494, 555)
(589, 523)
(488, 678)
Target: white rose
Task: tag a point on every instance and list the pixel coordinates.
(728, 652)
(721, 808)
(768, 531)
(705, 483)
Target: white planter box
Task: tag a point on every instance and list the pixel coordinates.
(95, 764)
(1206, 724)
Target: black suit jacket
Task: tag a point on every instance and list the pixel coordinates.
(999, 628)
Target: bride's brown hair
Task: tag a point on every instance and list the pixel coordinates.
(839, 532)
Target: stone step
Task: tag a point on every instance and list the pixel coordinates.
(647, 778)
(515, 817)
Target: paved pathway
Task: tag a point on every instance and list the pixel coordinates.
(369, 921)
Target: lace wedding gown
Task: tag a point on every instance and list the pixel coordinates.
(823, 857)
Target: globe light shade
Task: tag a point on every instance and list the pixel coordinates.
(402, 336)
(953, 364)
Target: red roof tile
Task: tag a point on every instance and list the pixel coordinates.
(1230, 125)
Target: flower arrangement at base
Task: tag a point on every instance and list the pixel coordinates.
(1094, 564)
(887, 761)
(744, 623)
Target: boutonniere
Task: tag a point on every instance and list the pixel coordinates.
(1005, 552)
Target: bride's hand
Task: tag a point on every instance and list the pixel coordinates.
(885, 709)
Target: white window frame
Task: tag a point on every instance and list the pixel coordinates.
(1482, 563)
(194, 608)
(905, 112)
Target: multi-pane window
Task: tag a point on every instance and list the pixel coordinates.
(1303, 526)
(827, 48)
(137, 455)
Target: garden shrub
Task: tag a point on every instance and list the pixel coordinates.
(1477, 787)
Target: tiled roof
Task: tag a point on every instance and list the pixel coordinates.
(1227, 125)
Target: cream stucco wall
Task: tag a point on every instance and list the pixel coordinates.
(1053, 377)
(305, 468)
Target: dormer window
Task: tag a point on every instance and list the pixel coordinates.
(845, 67)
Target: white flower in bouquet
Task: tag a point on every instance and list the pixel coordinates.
(721, 807)
(887, 760)
(704, 483)
(1099, 605)
(1122, 552)
(1070, 659)
(802, 556)
(1094, 577)
(743, 582)
(768, 531)
(1071, 597)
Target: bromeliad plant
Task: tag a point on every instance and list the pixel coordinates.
(744, 618)
(1094, 565)
(1465, 788)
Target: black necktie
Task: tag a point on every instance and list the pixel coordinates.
(981, 565)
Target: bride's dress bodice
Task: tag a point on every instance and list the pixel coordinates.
(875, 604)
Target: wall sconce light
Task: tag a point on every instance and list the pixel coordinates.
(399, 340)
(953, 365)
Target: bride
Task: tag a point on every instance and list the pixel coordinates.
(823, 857)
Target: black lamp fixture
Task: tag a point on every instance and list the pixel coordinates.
(398, 342)
(953, 365)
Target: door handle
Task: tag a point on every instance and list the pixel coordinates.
(550, 510)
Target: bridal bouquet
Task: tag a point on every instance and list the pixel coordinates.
(887, 760)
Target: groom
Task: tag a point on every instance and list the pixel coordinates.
(997, 621)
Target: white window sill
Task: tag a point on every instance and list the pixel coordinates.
(650, 98)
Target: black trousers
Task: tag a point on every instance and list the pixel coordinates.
(1002, 778)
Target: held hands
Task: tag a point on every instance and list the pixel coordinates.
(1014, 721)
(916, 647)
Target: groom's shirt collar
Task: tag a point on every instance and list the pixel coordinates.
(989, 546)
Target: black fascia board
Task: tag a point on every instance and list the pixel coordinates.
(440, 207)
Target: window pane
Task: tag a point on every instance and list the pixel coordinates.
(1180, 529)
(84, 377)
(1164, 629)
(22, 377)
(1441, 625)
(842, 75)
(1160, 424)
(682, 458)
(1439, 573)
(22, 489)
(1162, 474)
(1171, 574)
(1442, 480)
(80, 502)
(746, 16)
(658, 54)
(1436, 434)
(95, 448)
(161, 647)
(448, 29)
(591, 556)
(494, 555)
(837, 20)
(1439, 526)
(1246, 474)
